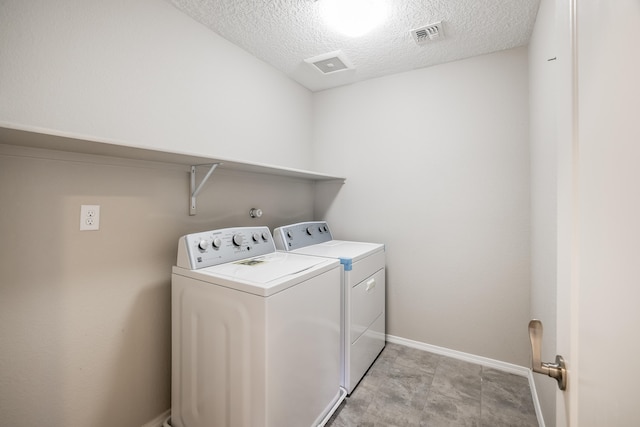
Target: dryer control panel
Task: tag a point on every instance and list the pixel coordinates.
(296, 236)
(207, 248)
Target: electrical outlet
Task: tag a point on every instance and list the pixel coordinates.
(89, 217)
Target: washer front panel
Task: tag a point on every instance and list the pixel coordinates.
(242, 360)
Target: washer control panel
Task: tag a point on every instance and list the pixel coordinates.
(207, 248)
(296, 236)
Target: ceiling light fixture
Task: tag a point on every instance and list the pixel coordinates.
(353, 18)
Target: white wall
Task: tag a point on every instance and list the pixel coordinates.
(543, 80)
(144, 74)
(437, 162)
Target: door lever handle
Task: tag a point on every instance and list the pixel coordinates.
(555, 370)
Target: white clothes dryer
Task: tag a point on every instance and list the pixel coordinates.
(363, 291)
(255, 333)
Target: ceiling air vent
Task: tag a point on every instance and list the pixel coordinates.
(424, 35)
(330, 62)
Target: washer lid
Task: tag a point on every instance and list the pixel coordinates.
(267, 268)
(263, 275)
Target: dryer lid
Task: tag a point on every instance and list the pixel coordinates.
(342, 249)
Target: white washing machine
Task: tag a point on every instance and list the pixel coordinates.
(255, 333)
(363, 287)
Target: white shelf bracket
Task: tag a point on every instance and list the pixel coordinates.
(195, 190)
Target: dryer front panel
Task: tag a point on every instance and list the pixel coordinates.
(367, 303)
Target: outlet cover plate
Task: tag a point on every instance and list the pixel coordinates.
(89, 217)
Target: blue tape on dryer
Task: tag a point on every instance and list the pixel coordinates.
(347, 262)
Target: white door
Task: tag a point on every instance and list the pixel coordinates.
(599, 217)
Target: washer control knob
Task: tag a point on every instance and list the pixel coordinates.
(265, 236)
(237, 239)
(326, 228)
(255, 237)
(217, 242)
(290, 234)
(309, 231)
(203, 245)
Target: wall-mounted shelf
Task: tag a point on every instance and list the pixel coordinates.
(52, 140)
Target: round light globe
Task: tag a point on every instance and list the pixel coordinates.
(353, 18)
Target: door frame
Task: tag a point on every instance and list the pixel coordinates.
(568, 198)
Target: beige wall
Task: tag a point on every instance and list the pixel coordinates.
(437, 162)
(85, 316)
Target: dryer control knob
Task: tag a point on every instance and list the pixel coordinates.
(217, 242)
(203, 245)
(265, 236)
(309, 231)
(237, 239)
(255, 237)
(290, 234)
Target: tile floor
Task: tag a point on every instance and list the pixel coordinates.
(406, 387)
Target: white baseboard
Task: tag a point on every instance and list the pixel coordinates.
(536, 402)
(479, 360)
(159, 420)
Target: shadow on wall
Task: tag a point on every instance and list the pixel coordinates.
(140, 340)
(325, 194)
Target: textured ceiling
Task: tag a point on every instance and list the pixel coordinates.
(284, 33)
